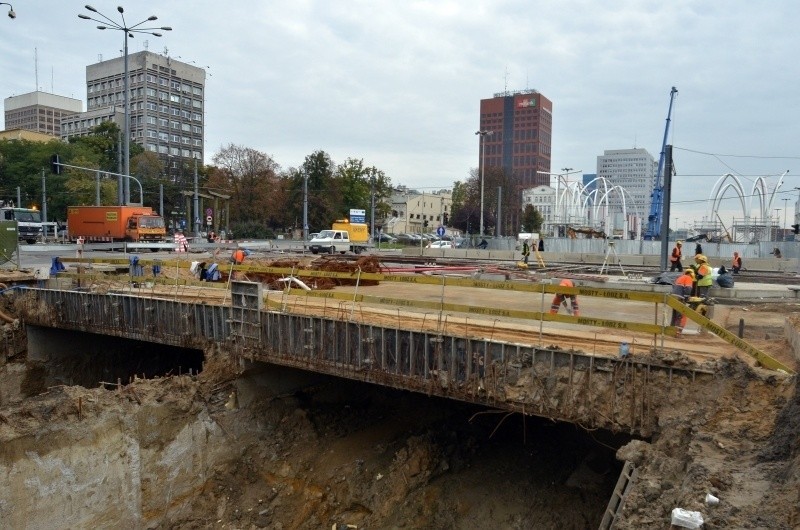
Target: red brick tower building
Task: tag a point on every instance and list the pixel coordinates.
(521, 125)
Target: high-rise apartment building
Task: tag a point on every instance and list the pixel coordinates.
(39, 111)
(521, 125)
(167, 98)
(634, 171)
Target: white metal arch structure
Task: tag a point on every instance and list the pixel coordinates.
(598, 200)
(760, 189)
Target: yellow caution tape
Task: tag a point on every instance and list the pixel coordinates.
(489, 311)
(614, 294)
(727, 336)
(530, 287)
(143, 279)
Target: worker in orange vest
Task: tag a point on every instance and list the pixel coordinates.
(675, 258)
(736, 264)
(572, 307)
(682, 288)
(238, 256)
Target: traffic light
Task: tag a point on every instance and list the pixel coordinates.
(55, 164)
(425, 223)
(796, 229)
(445, 218)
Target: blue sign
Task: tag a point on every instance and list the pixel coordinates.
(358, 215)
(440, 231)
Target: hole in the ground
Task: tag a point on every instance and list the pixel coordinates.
(472, 453)
(88, 359)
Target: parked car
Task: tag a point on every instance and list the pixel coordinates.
(440, 244)
(385, 238)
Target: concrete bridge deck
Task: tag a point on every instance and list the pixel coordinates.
(593, 390)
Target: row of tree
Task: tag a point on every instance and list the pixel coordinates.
(264, 197)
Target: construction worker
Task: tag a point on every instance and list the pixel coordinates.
(703, 274)
(736, 264)
(682, 288)
(526, 251)
(572, 307)
(238, 256)
(675, 258)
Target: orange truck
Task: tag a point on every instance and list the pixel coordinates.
(115, 223)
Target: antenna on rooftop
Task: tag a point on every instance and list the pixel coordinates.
(99, 57)
(505, 81)
(146, 44)
(36, 65)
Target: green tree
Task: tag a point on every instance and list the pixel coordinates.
(357, 183)
(382, 190)
(353, 185)
(324, 203)
(104, 142)
(531, 219)
(465, 213)
(249, 176)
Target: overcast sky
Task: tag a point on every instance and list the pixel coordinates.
(398, 83)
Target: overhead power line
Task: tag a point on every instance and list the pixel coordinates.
(763, 157)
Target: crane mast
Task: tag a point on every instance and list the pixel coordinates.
(656, 198)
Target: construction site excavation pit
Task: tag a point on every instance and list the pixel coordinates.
(271, 447)
(69, 357)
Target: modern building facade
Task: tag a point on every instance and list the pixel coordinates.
(39, 112)
(633, 170)
(167, 101)
(521, 125)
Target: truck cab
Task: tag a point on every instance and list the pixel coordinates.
(29, 222)
(330, 241)
(142, 228)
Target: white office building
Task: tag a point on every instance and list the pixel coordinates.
(634, 171)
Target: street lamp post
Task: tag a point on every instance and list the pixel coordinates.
(196, 202)
(565, 176)
(785, 209)
(482, 140)
(11, 13)
(305, 210)
(128, 31)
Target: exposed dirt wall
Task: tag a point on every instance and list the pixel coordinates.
(78, 458)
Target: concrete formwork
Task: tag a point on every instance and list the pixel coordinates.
(619, 394)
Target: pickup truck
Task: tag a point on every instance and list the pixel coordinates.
(332, 241)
